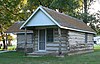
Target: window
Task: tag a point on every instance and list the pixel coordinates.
(50, 35)
(85, 37)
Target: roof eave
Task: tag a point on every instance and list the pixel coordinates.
(30, 17)
(77, 30)
(40, 7)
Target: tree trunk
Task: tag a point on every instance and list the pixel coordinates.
(85, 6)
(9, 43)
(85, 11)
(2, 34)
(4, 44)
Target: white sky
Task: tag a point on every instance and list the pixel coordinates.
(95, 7)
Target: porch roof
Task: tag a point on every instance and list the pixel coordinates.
(15, 28)
(62, 20)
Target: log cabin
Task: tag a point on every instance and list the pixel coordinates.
(58, 33)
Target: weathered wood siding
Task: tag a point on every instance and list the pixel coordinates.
(77, 43)
(21, 42)
(71, 42)
(35, 40)
(54, 46)
(90, 41)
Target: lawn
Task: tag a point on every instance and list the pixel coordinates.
(9, 47)
(19, 58)
(97, 47)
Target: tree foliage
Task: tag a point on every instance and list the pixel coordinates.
(69, 7)
(8, 11)
(20, 10)
(2, 37)
(17, 10)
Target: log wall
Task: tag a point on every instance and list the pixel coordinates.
(21, 42)
(35, 40)
(54, 46)
(77, 43)
(71, 42)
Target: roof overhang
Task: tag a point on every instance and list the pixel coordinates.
(40, 7)
(77, 30)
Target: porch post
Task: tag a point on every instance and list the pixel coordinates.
(34, 40)
(59, 33)
(25, 47)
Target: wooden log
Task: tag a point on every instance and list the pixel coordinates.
(25, 41)
(34, 40)
(59, 32)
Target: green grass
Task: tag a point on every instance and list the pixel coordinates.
(97, 47)
(19, 58)
(9, 47)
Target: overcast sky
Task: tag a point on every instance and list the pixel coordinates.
(95, 6)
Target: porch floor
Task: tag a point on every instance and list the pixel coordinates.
(37, 54)
(40, 54)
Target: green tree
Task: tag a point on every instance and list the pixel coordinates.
(92, 19)
(69, 7)
(2, 37)
(10, 38)
(95, 22)
(9, 12)
(86, 6)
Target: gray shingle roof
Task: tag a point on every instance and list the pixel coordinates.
(15, 28)
(67, 21)
(62, 20)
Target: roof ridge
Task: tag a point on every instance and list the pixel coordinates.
(19, 22)
(62, 14)
(62, 20)
(73, 19)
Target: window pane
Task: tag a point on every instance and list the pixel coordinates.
(49, 35)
